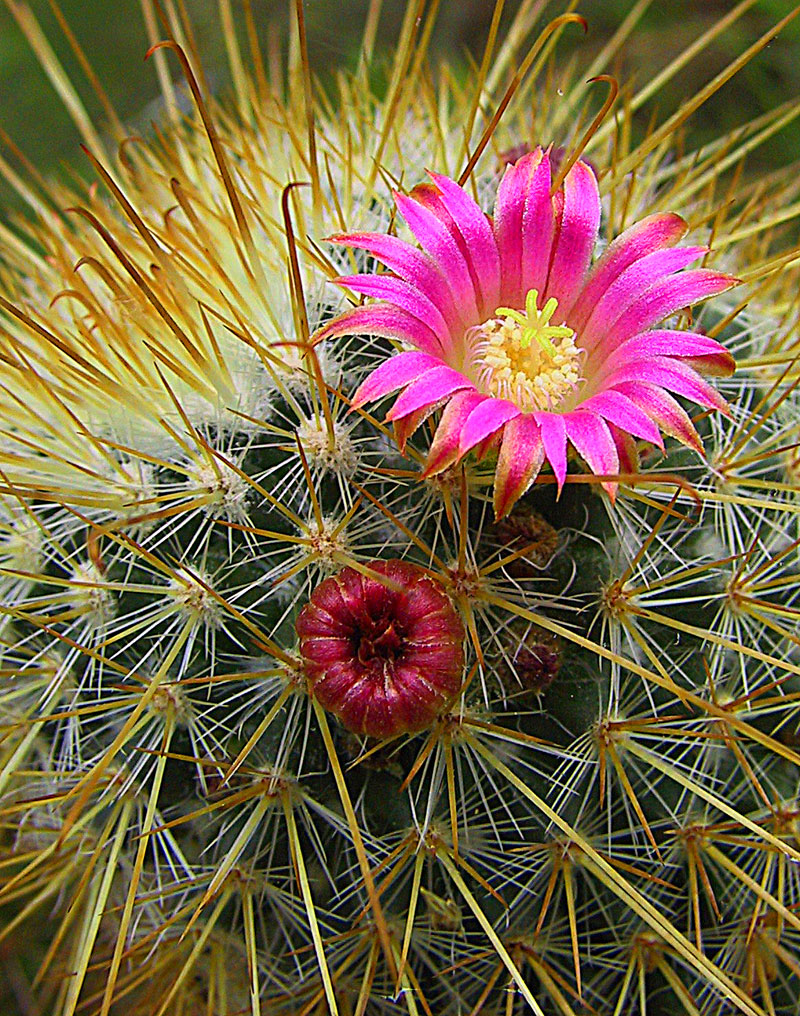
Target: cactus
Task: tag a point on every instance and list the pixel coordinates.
(575, 787)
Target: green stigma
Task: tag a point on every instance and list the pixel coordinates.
(535, 323)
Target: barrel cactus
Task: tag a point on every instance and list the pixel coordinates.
(400, 571)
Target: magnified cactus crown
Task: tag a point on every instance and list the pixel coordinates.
(474, 710)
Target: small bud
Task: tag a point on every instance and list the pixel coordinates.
(532, 665)
(526, 530)
(386, 658)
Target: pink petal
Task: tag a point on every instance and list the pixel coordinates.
(478, 239)
(484, 420)
(489, 444)
(626, 450)
(385, 320)
(672, 375)
(430, 197)
(576, 234)
(663, 410)
(444, 449)
(519, 462)
(402, 295)
(537, 229)
(429, 390)
(664, 297)
(554, 440)
(593, 442)
(509, 210)
(394, 373)
(435, 237)
(644, 237)
(616, 408)
(628, 288)
(720, 364)
(409, 263)
(403, 429)
(708, 353)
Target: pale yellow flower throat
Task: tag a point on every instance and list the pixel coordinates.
(521, 357)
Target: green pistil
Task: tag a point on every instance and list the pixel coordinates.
(535, 323)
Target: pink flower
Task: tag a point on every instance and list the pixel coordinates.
(526, 344)
(387, 659)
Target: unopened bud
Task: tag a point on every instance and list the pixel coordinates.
(382, 651)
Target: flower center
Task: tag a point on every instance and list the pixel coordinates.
(381, 645)
(521, 357)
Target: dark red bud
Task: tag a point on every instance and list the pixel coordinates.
(387, 658)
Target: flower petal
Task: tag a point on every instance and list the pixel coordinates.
(509, 210)
(484, 421)
(404, 428)
(705, 354)
(409, 263)
(575, 235)
(593, 442)
(519, 462)
(674, 376)
(489, 444)
(616, 408)
(642, 238)
(478, 237)
(663, 410)
(664, 297)
(385, 320)
(537, 229)
(432, 388)
(403, 295)
(444, 448)
(627, 451)
(598, 331)
(554, 441)
(435, 237)
(394, 373)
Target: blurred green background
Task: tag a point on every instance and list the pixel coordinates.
(113, 37)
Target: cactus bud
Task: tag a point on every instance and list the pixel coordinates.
(524, 529)
(385, 657)
(533, 663)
